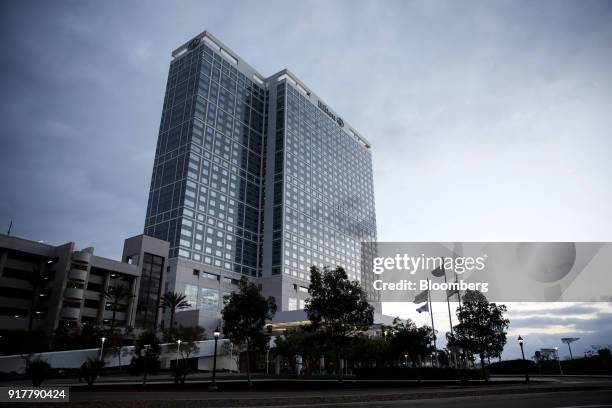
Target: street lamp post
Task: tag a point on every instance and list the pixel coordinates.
(558, 360)
(102, 340)
(213, 386)
(101, 356)
(406, 359)
(268, 352)
(520, 340)
(146, 357)
(178, 350)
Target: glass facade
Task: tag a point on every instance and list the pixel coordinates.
(205, 194)
(323, 191)
(149, 292)
(220, 165)
(202, 298)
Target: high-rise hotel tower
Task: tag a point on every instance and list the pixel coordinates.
(254, 176)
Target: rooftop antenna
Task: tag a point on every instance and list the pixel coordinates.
(10, 227)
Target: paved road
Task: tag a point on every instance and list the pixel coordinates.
(490, 395)
(579, 399)
(574, 392)
(566, 379)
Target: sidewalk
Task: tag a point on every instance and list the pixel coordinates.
(164, 380)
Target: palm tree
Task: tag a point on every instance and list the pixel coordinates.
(117, 295)
(173, 301)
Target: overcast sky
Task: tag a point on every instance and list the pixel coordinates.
(490, 120)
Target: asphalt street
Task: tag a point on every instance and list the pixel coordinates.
(572, 392)
(553, 391)
(577, 399)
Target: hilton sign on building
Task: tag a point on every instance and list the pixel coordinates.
(325, 109)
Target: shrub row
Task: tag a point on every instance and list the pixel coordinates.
(423, 373)
(589, 365)
(513, 367)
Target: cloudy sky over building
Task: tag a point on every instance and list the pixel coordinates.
(490, 121)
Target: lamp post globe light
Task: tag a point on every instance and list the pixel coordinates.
(102, 340)
(520, 341)
(213, 385)
(100, 357)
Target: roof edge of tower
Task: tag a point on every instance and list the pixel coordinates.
(287, 75)
(218, 46)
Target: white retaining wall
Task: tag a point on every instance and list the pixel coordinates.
(74, 358)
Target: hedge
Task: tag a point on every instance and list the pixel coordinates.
(423, 373)
(513, 367)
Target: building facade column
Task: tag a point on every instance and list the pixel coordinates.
(3, 258)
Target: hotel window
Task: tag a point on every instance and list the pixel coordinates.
(191, 295)
(211, 276)
(209, 299)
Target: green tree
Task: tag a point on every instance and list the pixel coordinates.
(119, 297)
(173, 302)
(115, 342)
(408, 339)
(146, 354)
(443, 358)
(37, 369)
(482, 327)
(189, 336)
(285, 347)
(244, 317)
(604, 354)
(338, 308)
(369, 351)
(90, 370)
(230, 350)
(86, 336)
(24, 342)
(309, 344)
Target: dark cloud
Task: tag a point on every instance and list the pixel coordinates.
(79, 124)
(594, 328)
(565, 311)
(593, 322)
(533, 342)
